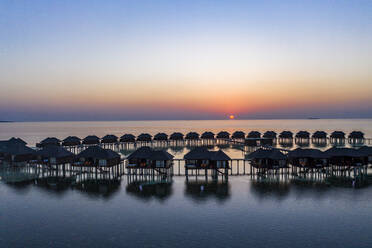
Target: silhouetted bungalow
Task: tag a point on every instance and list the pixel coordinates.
(98, 156)
(269, 135)
(267, 159)
(145, 157)
(192, 136)
(49, 141)
(55, 155)
(223, 135)
(356, 137)
(176, 136)
(367, 151)
(128, 138)
(91, 140)
(144, 137)
(286, 138)
(71, 141)
(161, 137)
(308, 158)
(254, 135)
(13, 152)
(337, 137)
(346, 156)
(207, 135)
(238, 135)
(109, 139)
(17, 141)
(202, 158)
(319, 137)
(302, 138)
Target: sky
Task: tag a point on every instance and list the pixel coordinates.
(148, 60)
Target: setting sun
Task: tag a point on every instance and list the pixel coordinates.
(232, 117)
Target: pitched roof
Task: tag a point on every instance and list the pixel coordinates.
(338, 134)
(203, 153)
(176, 136)
(320, 135)
(356, 135)
(286, 134)
(238, 135)
(274, 154)
(207, 135)
(12, 148)
(366, 150)
(144, 137)
(254, 134)
(307, 153)
(98, 153)
(344, 152)
(269, 134)
(128, 138)
(146, 152)
(109, 138)
(161, 136)
(192, 135)
(72, 139)
(50, 140)
(223, 135)
(303, 134)
(53, 151)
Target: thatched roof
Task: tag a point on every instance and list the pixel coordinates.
(202, 153)
(273, 154)
(223, 135)
(303, 135)
(176, 136)
(344, 152)
(97, 152)
(53, 151)
(128, 138)
(366, 150)
(307, 153)
(192, 136)
(109, 138)
(219, 156)
(269, 135)
(146, 152)
(71, 140)
(356, 135)
(144, 137)
(338, 135)
(17, 141)
(50, 141)
(91, 139)
(14, 148)
(207, 135)
(238, 135)
(286, 135)
(319, 135)
(254, 135)
(161, 136)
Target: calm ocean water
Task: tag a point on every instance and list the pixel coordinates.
(241, 213)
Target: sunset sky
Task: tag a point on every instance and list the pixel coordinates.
(136, 60)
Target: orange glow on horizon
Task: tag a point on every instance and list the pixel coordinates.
(232, 117)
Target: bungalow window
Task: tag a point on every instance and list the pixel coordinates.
(159, 163)
(221, 164)
(102, 162)
(53, 160)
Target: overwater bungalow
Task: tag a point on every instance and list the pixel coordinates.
(147, 158)
(367, 151)
(54, 156)
(207, 138)
(109, 141)
(319, 138)
(161, 138)
(49, 141)
(223, 135)
(192, 138)
(356, 138)
(286, 138)
(254, 135)
(270, 135)
(15, 153)
(91, 140)
(71, 141)
(144, 138)
(308, 158)
(128, 138)
(176, 138)
(17, 141)
(337, 137)
(267, 159)
(201, 158)
(238, 135)
(95, 156)
(302, 138)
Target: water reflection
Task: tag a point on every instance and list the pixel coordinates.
(147, 188)
(99, 188)
(200, 191)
